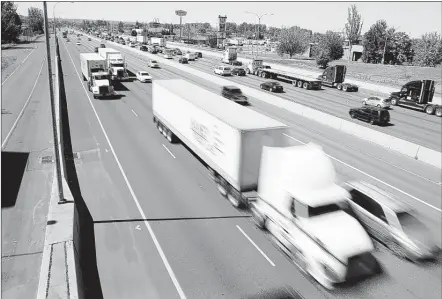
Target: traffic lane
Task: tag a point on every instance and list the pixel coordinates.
(125, 257)
(18, 90)
(213, 259)
(414, 129)
(33, 131)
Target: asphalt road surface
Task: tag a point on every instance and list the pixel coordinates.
(26, 181)
(163, 231)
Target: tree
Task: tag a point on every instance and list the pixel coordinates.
(329, 48)
(374, 41)
(137, 25)
(428, 50)
(231, 28)
(121, 27)
(399, 48)
(35, 19)
(353, 27)
(273, 33)
(292, 41)
(11, 23)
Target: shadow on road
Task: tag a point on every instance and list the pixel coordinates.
(88, 278)
(13, 169)
(277, 293)
(118, 86)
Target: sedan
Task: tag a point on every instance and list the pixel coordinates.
(223, 71)
(78, 43)
(391, 222)
(178, 52)
(238, 72)
(89, 39)
(272, 86)
(143, 76)
(183, 60)
(152, 63)
(376, 101)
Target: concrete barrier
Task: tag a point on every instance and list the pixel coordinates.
(390, 142)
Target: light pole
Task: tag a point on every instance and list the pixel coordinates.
(53, 13)
(259, 19)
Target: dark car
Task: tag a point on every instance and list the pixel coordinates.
(183, 60)
(235, 94)
(238, 72)
(102, 46)
(236, 63)
(178, 52)
(373, 115)
(272, 86)
(143, 48)
(96, 49)
(199, 54)
(391, 222)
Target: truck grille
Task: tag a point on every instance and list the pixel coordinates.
(120, 73)
(103, 90)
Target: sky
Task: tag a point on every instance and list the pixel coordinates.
(414, 18)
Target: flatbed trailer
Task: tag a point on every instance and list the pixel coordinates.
(295, 79)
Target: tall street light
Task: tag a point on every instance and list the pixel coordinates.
(181, 14)
(259, 19)
(53, 13)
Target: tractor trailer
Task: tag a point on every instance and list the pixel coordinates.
(115, 64)
(93, 69)
(230, 55)
(226, 136)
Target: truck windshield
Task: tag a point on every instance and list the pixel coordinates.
(101, 77)
(321, 210)
(117, 64)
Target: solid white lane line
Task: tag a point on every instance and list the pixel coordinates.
(129, 186)
(134, 113)
(24, 107)
(18, 66)
(169, 151)
(374, 178)
(256, 246)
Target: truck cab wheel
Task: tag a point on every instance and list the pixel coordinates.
(394, 102)
(438, 111)
(339, 86)
(344, 88)
(429, 109)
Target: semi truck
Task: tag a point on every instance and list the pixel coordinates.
(65, 34)
(142, 39)
(230, 55)
(334, 76)
(93, 69)
(159, 41)
(256, 67)
(418, 95)
(115, 64)
(227, 137)
(305, 211)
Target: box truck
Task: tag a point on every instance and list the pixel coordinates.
(300, 204)
(159, 41)
(230, 55)
(93, 69)
(226, 136)
(115, 63)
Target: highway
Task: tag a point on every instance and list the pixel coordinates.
(26, 181)
(163, 231)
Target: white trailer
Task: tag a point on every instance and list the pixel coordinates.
(230, 55)
(159, 41)
(226, 136)
(142, 39)
(115, 63)
(300, 204)
(93, 69)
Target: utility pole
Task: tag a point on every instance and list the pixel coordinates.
(61, 198)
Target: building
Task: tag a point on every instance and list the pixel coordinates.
(354, 52)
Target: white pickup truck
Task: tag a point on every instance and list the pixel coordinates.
(305, 211)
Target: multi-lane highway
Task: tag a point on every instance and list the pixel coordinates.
(26, 181)
(163, 231)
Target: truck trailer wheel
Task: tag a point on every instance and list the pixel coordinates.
(300, 84)
(258, 218)
(171, 137)
(160, 127)
(429, 109)
(234, 201)
(294, 82)
(438, 111)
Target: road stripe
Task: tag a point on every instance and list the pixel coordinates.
(134, 113)
(374, 178)
(256, 246)
(18, 66)
(24, 107)
(169, 151)
(134, 197)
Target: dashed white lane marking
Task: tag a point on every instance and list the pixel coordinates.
(256, 246)
(169, 151)
(134, 113)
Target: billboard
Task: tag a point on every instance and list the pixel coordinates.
(222, 23)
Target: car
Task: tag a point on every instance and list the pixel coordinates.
(272, 86)
(223, 70)
(152, 63)
(178, 52)
(78, 43)
(377, 101)
(132, 45)
(236, 63)
(373, 115)
(238, 71)
(96, 49)
(89, 39)
(68, 40)
(143, 48)
(102, 46)
(143, 76)
(183, 60)
(391, 222)
(235, 94)
(199, 54)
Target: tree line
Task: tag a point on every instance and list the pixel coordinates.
(12, 23)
